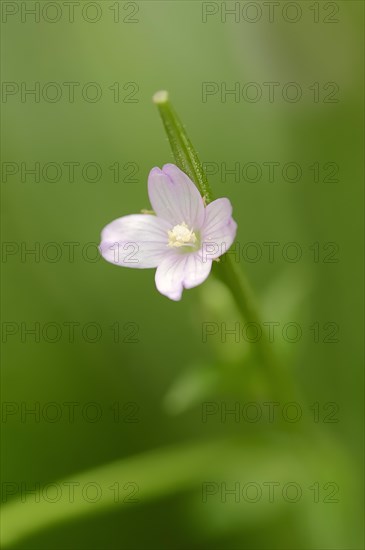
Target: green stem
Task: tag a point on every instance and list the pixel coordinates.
(230, 273)
(188, 161)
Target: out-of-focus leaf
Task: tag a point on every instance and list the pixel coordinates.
(286, 294)
(168, 471)
(194, 385)
(219, 310)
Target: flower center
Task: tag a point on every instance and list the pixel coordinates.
(181, 235)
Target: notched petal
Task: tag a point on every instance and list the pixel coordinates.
(181, 271)
(219, 230)
(174, 197)
(137, 241)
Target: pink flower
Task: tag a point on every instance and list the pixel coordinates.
(181, 240)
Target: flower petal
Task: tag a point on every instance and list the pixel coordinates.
(174, 197)
(138, 241)
(179, 271)
(219, 229)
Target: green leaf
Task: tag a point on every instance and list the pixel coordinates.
(194, 385)
(165, 472)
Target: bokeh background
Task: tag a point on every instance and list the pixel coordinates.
(138, 374)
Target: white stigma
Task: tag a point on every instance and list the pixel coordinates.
(181, 235)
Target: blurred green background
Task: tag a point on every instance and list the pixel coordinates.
(149, 384)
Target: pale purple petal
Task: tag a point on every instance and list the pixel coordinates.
(139, 241)
(179, 271)
(219, 230)
(174, 197)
